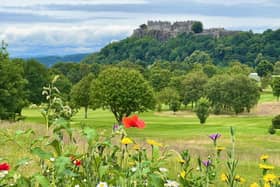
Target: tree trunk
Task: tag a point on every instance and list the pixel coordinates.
(86, 110)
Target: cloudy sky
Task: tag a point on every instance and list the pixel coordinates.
(59, 27)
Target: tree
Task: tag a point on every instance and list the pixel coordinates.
(170, 97)
(276, 87)
(123, 91)
(199, 57)
(193, 86)
(197, 27)
(202, 110)
(12, 86)
(37, 76)
(276, 68)
(159, 78)
(242, 93)
(80, 93)
(264, 68)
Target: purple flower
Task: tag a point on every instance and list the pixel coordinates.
(206, 163)
(214, 137)
(115, 127)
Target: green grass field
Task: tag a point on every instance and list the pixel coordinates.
(184, 132)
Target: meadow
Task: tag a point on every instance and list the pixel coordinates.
(180, 131)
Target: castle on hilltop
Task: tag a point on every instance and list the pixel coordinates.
(163, 30)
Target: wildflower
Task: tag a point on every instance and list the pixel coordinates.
(126, 141)
(220, 148)
(136, 147)
(131, 163)
(77, 162)
(102, 184)
(214, 137)
(224, 177)
(170, 183)
(269, 177)
(154, 143)
(183, 174)
(254, 185)
(115, 127)
(239, 179)
(4, 167)
(77, 185)
(180, 160)
(133, 121)
(206, 163)
(266, 167)
(52, 159)
(266, 185)
(163, 170)
(133, 169)
(264, 157)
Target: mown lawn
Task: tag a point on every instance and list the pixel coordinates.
(184, 132)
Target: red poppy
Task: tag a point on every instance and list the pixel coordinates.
(133, 121)
(4, 167)
(77, 162)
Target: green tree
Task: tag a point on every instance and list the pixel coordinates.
(276, 68)
(159, 78)
(276, 87)
(37, 76)
(12, 86)
(170, 97)
(264, 68)
(80, 93)
(202, 110)
(193, 86)
(197, 27)
(199, 57)
(123, 91)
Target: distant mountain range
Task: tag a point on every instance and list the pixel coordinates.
(50, 60)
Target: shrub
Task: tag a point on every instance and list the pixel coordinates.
(276, 122)
(271, 130)
(203, 110)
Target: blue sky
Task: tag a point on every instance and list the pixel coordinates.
(60, 27)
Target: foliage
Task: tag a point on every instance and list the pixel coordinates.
(80, 93)
(271, 130)
(276, 122)
(12, 86)
(37, 76)
(244, 47)
(264, 68)
(123, 91)
(170, 97)
(197, 27)
(276, 87)
(202, 110)
(199, 57)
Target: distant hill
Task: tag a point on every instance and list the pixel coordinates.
(160, 41)
(50, 60)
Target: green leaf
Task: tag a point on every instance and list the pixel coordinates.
(156, 180)
(22, 162)
(56, 145)
(61, 164)
(90, 134)
(41, 153)
(43, 181)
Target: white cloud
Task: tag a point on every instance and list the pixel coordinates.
(22, 3)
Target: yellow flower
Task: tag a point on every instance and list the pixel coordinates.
(264, 157)
(220, 148)
(266, 167)
(183, 174)
(126, 141)
(154, 143)
(266, 185)
(239, 179)
(224, 177)
(136, 147)
(131, 163)
(269, 177)
(180, 160)
(254, 185)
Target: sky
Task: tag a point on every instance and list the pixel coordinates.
(60, 27)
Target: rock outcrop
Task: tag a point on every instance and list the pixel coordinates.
(163, 30)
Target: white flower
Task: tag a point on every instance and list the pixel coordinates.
(85, 180)
(77, 185)
(133, 169)
(163, 170)
(171, 184)
(102, 184)
(52, 159)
